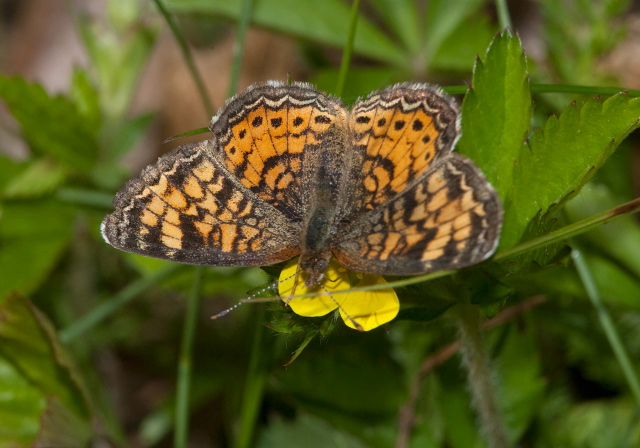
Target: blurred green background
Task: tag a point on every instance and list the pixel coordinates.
(103, 348)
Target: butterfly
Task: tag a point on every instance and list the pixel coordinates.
(290, 171)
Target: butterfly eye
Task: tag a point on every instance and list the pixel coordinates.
(322, 265)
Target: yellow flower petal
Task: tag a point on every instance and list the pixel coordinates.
(336, 278)
(369, 309)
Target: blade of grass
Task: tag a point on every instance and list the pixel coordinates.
(186, 54)
(557, 88)
(80, 196)
(187, 134)
(348, 48)
(456, 90)
(607, 322)
(588, 90)
(503, 14)
(108, 307)
(238, 46)
(571, 230)
(254, 384)
(181, 433)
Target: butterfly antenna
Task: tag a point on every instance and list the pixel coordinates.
(351, 319)
(295, 285)
(245, 300)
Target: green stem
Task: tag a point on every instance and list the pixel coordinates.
(571, 230)
(186, 54)
(238, 46)
(187, 134)
(254, 384)
(109, 306)
(587, 90)
(607, 323)
(181, 432)
(93, 198)
(348, 49)
(558, 88)
(479, 374)
(503, 14)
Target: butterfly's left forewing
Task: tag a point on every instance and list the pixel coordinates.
(187, 208)
(266, 135)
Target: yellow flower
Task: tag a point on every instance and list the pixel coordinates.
(362, 310)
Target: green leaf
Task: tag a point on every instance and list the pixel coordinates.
(530, 262)
(402, 18)
(85, 96)
(469, 39)
(327, 381)
(39, 177)
(564, 156)
(51, 125)
(33, 234)
(10, 169)
(21, 405)
(598, 424)
(324, 23)
(126, 135)
(118, 139)
(521, 386)
(118, 58)
(442, 19)
(616, 284)
(460, 428)
(496, 112)
(123, 14)
(306, 430)
(39, 385)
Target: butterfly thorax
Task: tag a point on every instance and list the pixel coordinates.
(319, 223)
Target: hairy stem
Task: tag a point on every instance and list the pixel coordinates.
(479, 374)
(406, 415)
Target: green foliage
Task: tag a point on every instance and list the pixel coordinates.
(561, 158)
(558, 382)
(40, 116)
(306, 431)
(48, 405)
(34, 234)
(575, 45)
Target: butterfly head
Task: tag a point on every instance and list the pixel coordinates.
(314, 264)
